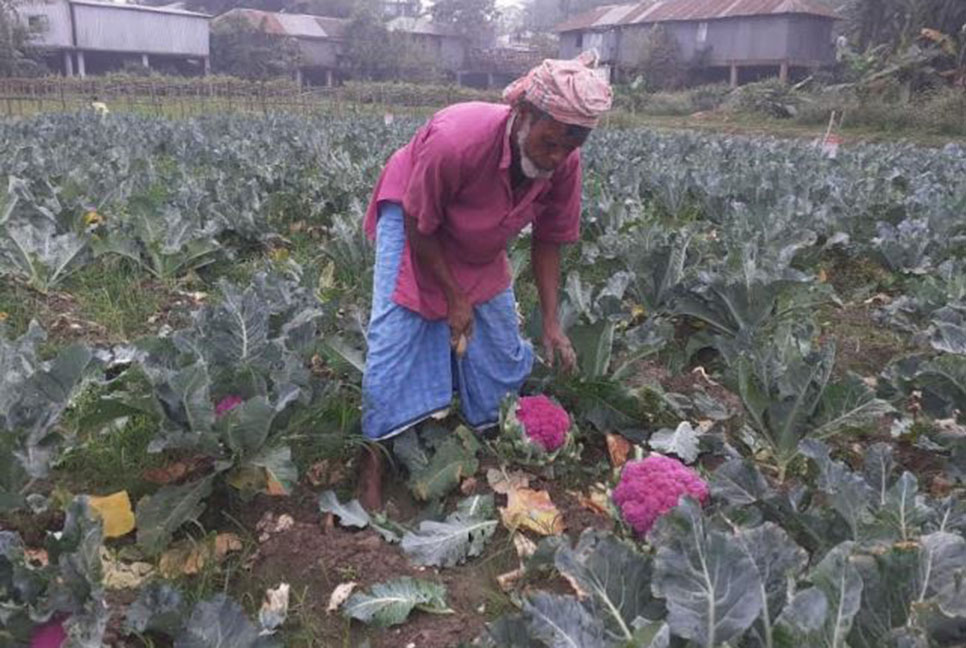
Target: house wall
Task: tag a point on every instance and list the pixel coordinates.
(811, 38)
(115, 29)
(56, 14)
(799, 39)
(319, 53)
(446, 52)
(452, 53)
(607, 43)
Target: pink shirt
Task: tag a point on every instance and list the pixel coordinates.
(454, 178)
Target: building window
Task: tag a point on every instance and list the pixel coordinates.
(702, 32)
(580, 39)
(38, 23)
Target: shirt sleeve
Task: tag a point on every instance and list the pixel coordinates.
(558, 217)
(434, 180)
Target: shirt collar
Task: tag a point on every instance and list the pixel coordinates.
(507, 158)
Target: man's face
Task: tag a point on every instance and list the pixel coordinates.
(544, 143)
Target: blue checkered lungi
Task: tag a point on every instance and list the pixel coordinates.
(412, 373)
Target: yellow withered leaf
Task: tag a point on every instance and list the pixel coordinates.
(190, 557)
(617, 448)
(116, 513)
(532, 510)
(118, 574)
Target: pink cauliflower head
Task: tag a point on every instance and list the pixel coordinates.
(50, 634)
(227, 404)
(653, 486)
(545, 423)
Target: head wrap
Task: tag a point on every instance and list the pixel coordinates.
(570, 91)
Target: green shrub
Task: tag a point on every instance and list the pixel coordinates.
(941, 111)
(771, 98)
(412, 94)
(708, 97)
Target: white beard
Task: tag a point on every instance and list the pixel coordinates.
(530, 170)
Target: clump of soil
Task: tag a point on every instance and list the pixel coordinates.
(314, 556)
(32, 528)
(862, 345)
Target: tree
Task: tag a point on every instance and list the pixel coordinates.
(895, 24)
(374, 53)
(473, 19)
(544, 15)
(661, 64)
(14, 61)
(240, 49)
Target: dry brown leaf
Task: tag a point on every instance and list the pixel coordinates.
(595, 501)
(532, 510)
(274, 608)
(318, 472)
(503, 482)
(468, 486)
(617, 448)
(339, 595)
(183, 557)
(701, 373)
(37, 557)
(525, 546)
(879, 299)
(225, 543)
(575, 585)
(187, 557)
(176, 471)
(118, 574)
(509, 580)
(269, 525)
(940, 486)
(274, 487)
(115, 512)
(949, 426)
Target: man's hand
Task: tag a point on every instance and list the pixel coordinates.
(460, 319)
(554, 343)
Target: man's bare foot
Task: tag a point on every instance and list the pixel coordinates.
(371, 466)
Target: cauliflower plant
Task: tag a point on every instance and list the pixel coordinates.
(651, 487)
(535, 430)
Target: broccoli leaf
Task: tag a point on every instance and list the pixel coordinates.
(390, 603)
(350, 515)
(160, 515)
(613, 577)
(562, 622)
(461, 535)
(712, 587)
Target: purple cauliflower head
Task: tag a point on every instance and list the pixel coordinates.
(227, 404)
(651, 487)
(546, 424)
(50, 634)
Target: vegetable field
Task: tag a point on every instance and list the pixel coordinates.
(776, 335)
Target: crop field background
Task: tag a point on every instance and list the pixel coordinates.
(183, 304)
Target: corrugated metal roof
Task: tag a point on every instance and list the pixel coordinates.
(654, 11)
(133, 7)
(294, 25)
(419, 26)
(588, 19)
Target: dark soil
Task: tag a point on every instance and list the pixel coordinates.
(315, 555)
(928, 466)
(862, 345)
(62, 316)
(32, 528)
